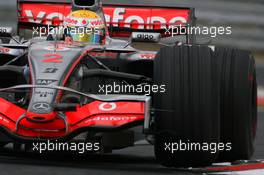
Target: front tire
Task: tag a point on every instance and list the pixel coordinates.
(188, 112)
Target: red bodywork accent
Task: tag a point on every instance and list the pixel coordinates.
(96, 113)
(121, 17)
(41, 117)
(244, 167)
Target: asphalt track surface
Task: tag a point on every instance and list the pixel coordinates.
(134, 160)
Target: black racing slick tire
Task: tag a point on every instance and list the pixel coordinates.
(238, 102)
(187, 115)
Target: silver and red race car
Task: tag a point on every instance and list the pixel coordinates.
(195, 103)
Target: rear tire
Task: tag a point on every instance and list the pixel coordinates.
(188, 112)
(238, 102)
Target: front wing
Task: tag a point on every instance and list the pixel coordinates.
(97, 115)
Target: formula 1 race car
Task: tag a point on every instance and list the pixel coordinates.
(195, 103)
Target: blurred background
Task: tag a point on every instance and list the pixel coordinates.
(246, 17)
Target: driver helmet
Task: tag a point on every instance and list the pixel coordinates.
(85, 26)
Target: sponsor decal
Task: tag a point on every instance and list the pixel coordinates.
(144, 56)
(147, 56)
(4, 50)
(52, 58)
(83, 18)
(70, 21)
(112, 55)
(57, 47)
(107, 106)
(44, 94)
(112, 118)
(45, 81)
(145, 36)
(41, 107)
(130, 17)
(50, 70)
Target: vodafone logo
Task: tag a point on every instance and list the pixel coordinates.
(107, 106)
(112, 118)
(137, 18)
(71, 21)
(126, 17)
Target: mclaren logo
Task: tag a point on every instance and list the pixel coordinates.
(45, 82)
(41, 107)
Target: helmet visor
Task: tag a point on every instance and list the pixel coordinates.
(92, 36)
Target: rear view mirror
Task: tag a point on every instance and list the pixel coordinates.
(5, 31)
(145, 37)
